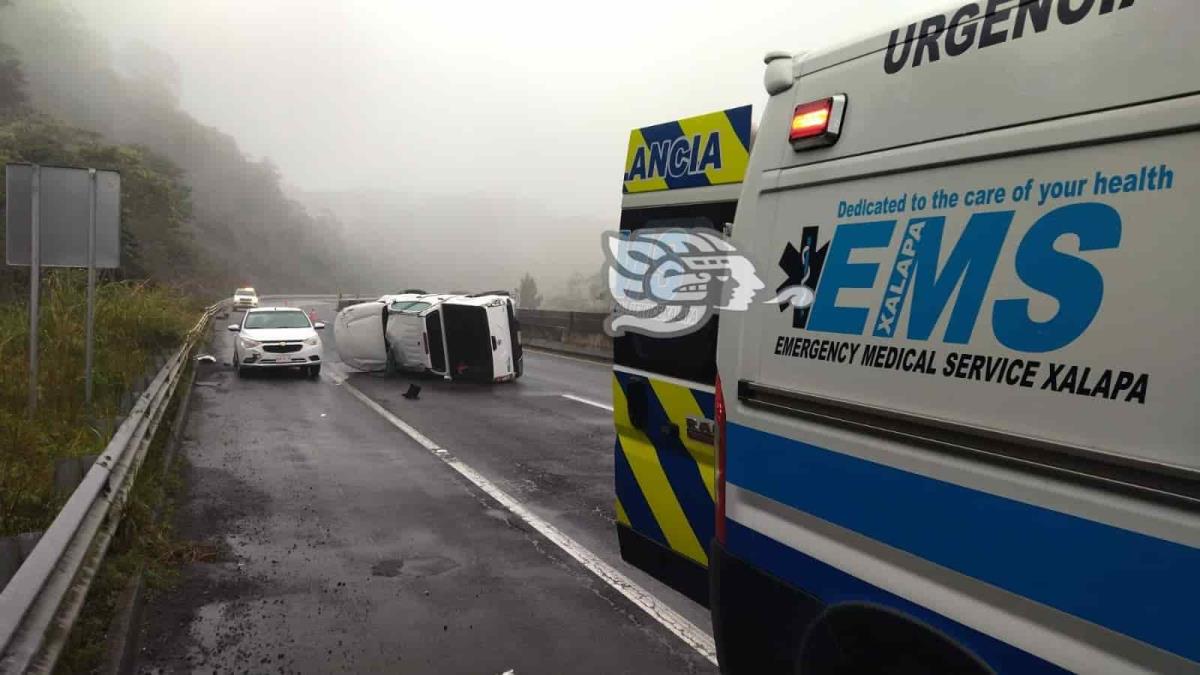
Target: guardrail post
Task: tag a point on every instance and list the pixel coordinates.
(13, 551)
(69, 472)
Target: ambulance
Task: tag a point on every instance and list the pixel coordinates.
(683, 174)
(472, 337)
(966, 438)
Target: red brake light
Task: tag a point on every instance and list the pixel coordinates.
(817, 123)
(811, 119)
(719, 446)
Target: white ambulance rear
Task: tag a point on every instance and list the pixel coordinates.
(977, 448)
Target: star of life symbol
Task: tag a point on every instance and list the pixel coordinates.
(669, 282)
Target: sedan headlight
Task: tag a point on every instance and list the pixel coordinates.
(250, 344)
(313, 341)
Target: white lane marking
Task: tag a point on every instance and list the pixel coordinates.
(586, 401)
(670, 619)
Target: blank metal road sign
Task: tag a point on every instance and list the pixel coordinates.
(64, 216)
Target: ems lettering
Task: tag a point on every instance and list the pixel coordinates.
(921, 283)
(969, 269)
(897, 288)
(676, 158)
(978, 25)
(1076, 284)
(839, 273)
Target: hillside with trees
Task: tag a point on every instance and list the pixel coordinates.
(196, 211)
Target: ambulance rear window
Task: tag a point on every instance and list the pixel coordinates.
(691, 357)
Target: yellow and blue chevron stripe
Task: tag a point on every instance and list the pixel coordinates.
(665, 480)
(712, 149)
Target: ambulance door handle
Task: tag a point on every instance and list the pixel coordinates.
(701, 429)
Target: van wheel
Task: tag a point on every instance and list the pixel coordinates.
(314, 372)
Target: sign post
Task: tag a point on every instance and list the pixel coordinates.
(62, 217)
(91, 290)
(35, 283)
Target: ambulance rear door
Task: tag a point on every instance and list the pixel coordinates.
(662, 387)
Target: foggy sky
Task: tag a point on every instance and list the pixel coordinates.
(529, 97)
(527, 101)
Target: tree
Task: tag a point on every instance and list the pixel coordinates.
(12, 80)
(598, 290)
(584, 293)
(527, 293)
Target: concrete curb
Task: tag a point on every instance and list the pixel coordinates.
(122, 637)
(120, 652)
(600, 356)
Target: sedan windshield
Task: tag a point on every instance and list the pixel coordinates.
(295, 319)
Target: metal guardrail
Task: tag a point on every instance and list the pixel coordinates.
(580, 333)
(40, 603)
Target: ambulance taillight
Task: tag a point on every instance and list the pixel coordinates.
(817, 124)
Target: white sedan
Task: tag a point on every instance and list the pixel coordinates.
(277, 337)
(245, 298)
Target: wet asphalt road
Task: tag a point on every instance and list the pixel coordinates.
(329, 541)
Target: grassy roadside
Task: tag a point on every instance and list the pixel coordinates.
(144, 544)
(135, 324)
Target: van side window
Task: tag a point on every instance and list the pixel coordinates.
(690, 357)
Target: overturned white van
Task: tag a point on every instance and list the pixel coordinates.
(463, 337)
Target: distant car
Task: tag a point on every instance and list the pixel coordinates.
(245, 298)
(277, 337)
